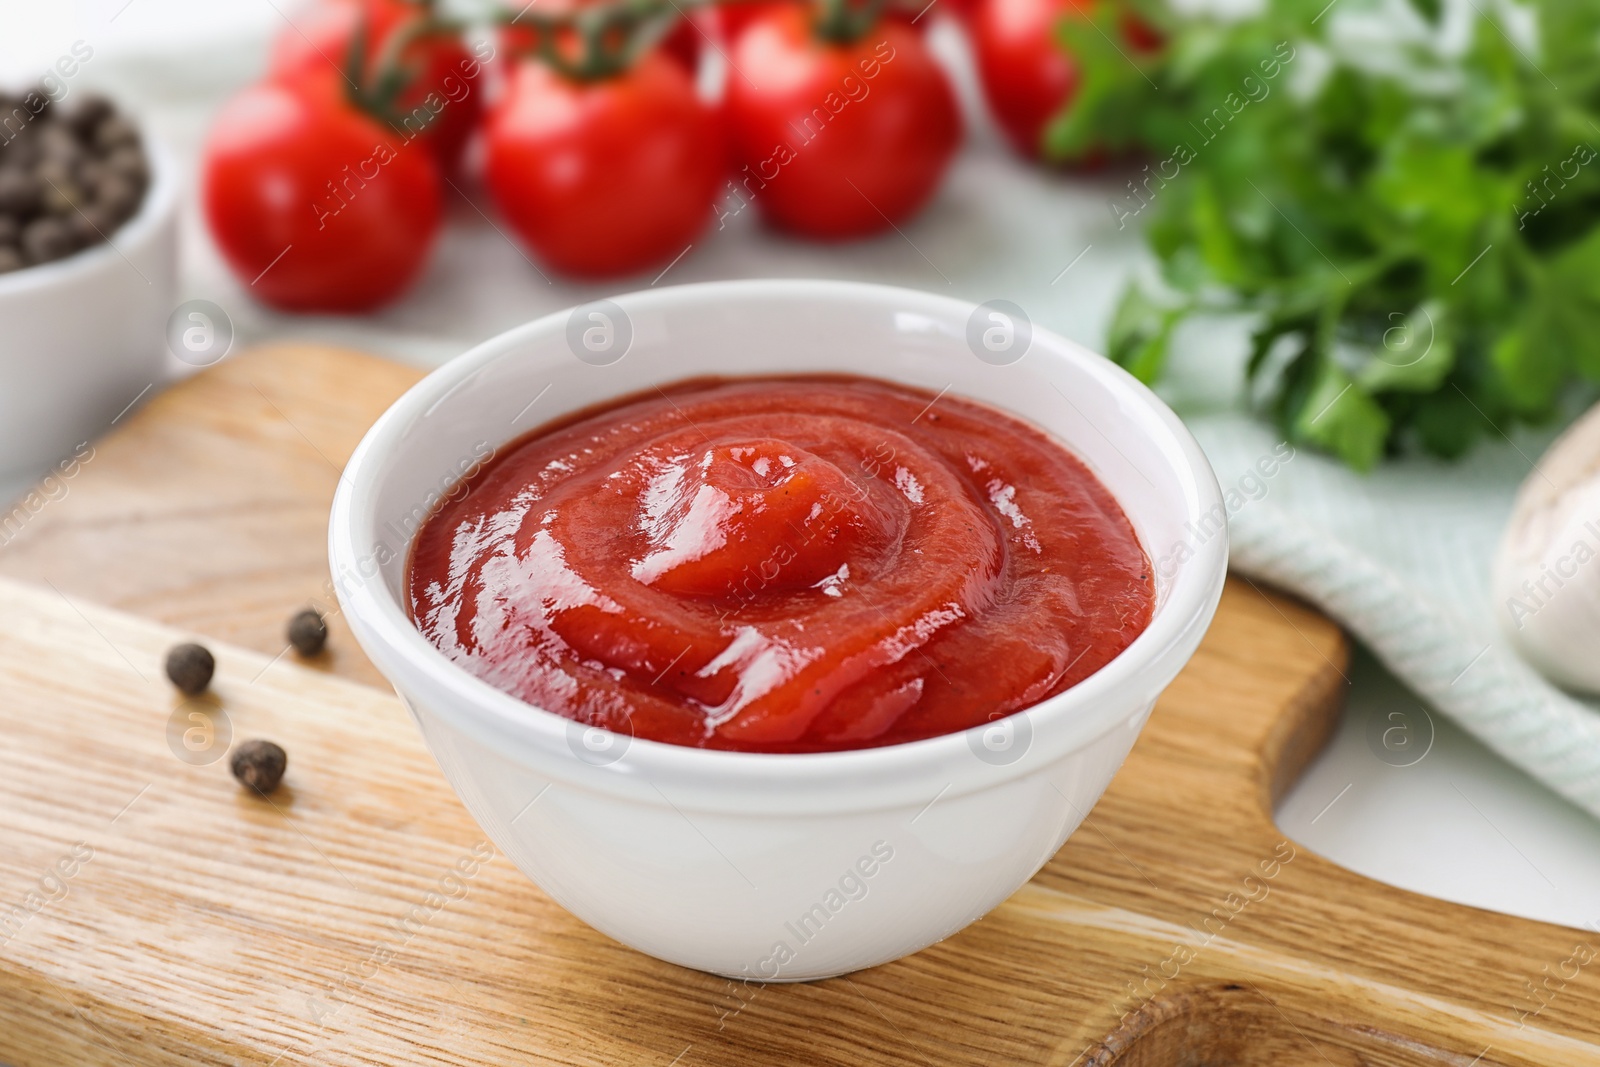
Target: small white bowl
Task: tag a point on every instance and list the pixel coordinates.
(85, 335)
(774, 867)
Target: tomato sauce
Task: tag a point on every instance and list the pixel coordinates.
(782, 565)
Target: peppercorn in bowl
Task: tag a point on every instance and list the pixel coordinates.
(88, 265)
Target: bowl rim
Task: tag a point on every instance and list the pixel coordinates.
(1059, 725)
(158, 208)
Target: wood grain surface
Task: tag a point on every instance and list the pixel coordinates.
(152, 913)
(208, 507)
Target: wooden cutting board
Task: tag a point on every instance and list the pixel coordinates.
(152, 913)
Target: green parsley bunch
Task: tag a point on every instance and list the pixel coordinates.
(1406, 193)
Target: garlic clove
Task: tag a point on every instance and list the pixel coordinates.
(1546, 578)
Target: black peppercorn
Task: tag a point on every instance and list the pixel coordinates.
(117, 195)
(90, 225)
(46, 238)
(61, 193)
(115, 132)
(89, 173)
(259, 765)
(308, 633)
(22, 153)
(129, 162)
(189, 667)
(19, 191)
(58, 144)
(89, 112)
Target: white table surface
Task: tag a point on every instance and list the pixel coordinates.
(1460, 824)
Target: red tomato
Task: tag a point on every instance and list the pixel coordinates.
(683, 41)
(838, 140)
(731, 19)
(604, 177)
(1027, 76)
(518, 39)
(315, 205)
(447, 86)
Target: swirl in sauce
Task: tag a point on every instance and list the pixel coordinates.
(782, 565)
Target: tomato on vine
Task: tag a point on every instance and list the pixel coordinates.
(444, 96)
(733, 19)
(1027, 74)
(686, 41)
(841, 131)
(606, 174)
(730, 20)
(315, 204)
(960, 10)
(683, 40)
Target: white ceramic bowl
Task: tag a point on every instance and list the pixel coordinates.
(85, 335)
(782, 867)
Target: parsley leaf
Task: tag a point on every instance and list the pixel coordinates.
(1411, 209)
